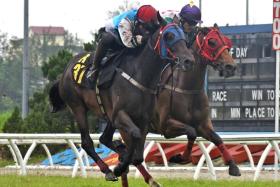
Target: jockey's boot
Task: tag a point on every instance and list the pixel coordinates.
(99, 55)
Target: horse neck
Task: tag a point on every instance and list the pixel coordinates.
(147, 68)
(188, 80)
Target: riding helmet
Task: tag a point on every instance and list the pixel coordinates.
(191, 14)
(146, 13)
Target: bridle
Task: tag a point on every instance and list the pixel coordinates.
(206, 50)
(163, 48)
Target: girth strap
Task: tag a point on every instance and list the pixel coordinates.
(99, 101)
(179, 90)
(135, 83)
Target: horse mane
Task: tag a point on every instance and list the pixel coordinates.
(203, 30)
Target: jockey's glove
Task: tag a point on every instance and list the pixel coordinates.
(138, 39)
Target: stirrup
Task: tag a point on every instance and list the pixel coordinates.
(90, 72)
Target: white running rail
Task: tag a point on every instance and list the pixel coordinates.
(73, 140)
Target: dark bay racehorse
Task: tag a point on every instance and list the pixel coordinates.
(183, 104)
(129, 102)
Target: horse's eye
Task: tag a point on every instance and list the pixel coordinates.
(168, 37)
(212, 43)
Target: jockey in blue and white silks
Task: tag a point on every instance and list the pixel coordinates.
(133, 28)
(123, 23)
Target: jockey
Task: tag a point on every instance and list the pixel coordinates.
(188, 18)
(132, 27)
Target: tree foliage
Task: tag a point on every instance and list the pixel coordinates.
(40, 50)
(40, 120)
(10, 74)
(14, 123)
(56, 65)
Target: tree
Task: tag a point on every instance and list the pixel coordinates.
(40, 120)
(10, 74)
(91, 46)
(3, 44)
(14, 123)
(42, 47)
(56, 65)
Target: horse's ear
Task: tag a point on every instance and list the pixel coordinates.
(216, 26)
(161, 20)
(176, 20)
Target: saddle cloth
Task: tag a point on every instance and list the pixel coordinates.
(82, 64)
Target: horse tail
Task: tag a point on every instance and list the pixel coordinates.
(56, 101)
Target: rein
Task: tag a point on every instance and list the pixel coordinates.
(172, 88)
(208, 51)
(159, 49)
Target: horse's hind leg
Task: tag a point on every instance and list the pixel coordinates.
(176, 128)
(208, 133)
(87, 144)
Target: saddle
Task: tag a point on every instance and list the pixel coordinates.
(106, 74)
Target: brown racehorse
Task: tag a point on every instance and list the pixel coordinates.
(182, 105)
(130, 100)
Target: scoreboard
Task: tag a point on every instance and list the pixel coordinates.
(245, 102)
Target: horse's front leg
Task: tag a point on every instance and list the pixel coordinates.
(174, 128)
(138, 159)
(131, 135)
(87, 143)
(120, 148)
(207, 132)
(107, 139)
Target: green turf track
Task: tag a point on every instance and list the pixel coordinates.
(39, 181)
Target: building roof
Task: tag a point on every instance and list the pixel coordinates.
(241, 29)
(41, 30)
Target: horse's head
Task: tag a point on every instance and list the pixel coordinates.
(212, 45)
(170, 44)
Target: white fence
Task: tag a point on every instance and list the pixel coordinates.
(13, 140)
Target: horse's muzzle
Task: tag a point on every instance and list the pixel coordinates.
(229, 70)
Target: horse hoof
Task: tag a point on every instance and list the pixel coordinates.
(153, 183)
(118, 170)
(111, 177)
(233, 169)
(178, 159)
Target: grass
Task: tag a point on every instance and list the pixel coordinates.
(3, 118)
(43, 181)
(4, 163)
